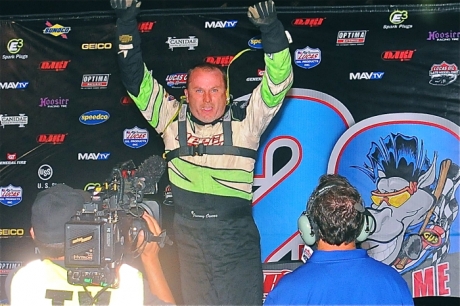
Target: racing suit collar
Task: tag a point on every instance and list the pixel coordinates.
(198, 121)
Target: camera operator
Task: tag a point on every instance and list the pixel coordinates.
(44, 281)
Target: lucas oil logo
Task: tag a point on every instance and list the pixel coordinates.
(94, 117)
(176, 80)
(135, 138)
(10, 195)
(307, 58)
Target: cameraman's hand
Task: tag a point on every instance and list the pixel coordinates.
(126, 10)
(152, 266)
(151, 249)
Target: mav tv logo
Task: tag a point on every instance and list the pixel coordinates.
(54, 65)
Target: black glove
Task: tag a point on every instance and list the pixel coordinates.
(126, 10)
(263, 15)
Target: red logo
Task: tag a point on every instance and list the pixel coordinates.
(11, 156)
(271, 278)
(311, 22)
(54, 65)
(260, 72)
(219, 60)
(51, 138)
(126, 100)
(399, 55)
(145, 26)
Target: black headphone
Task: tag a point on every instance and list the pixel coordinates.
(307, 227)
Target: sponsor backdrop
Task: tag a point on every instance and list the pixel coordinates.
(375, 98)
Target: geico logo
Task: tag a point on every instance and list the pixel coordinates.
(11, 231)
(96, 46)
(94, 117)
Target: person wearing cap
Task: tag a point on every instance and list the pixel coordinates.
(339, 273)
(44, 281)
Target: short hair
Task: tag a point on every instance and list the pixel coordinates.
(209, 67)
(332, 209)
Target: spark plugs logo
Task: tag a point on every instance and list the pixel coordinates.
(191, 42)
(397, 18)
(13, 47)
(56, 30)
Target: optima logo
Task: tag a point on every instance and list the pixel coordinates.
(94, 117)
(54, 65)
(93, 156)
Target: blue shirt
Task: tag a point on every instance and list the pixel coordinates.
(341, 278)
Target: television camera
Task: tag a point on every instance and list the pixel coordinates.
(107, 228)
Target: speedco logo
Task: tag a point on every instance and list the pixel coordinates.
(220, 24)
(219, 60)
(11, 231)
(93, 156)
(255, 42)
(54, 65)
(95, 81)
(14, 85)
(398, 55)
(51, 138)
(176, 80)
(94, 117)
(366, 75)
(10, 195)
(311, 22)
(191, 42)
(349, 38)
(96, 46)
(56, 30)
(135, 138)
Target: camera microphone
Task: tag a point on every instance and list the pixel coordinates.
(151, 170)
